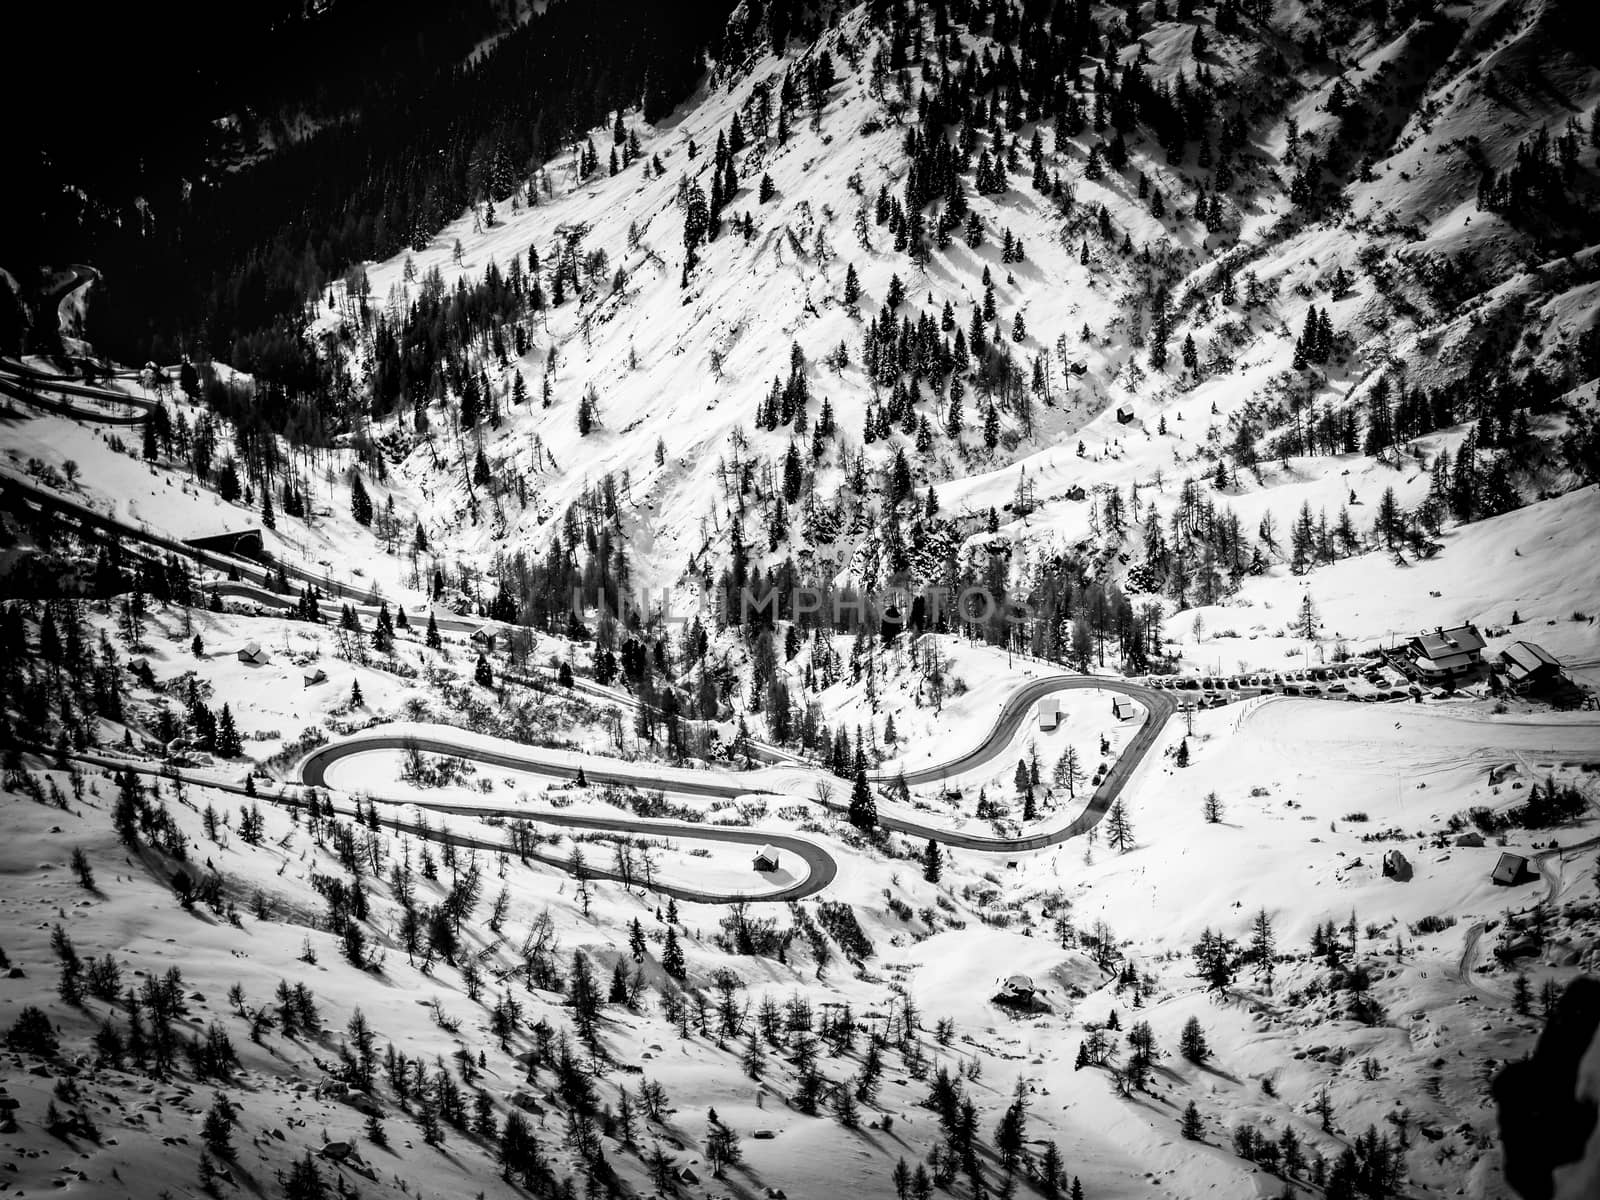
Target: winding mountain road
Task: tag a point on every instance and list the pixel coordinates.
(820, 865)
(66, 396)
(563, 764)
(65, 406)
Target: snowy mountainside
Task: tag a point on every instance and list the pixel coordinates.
(1237, 340)
(1423, 289)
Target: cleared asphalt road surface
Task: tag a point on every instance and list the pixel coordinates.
(727, 785)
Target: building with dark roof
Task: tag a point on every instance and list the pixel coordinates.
(1511, 870)
(1528, 666)
(1446, 655)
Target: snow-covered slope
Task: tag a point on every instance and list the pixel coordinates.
(1355, 1002)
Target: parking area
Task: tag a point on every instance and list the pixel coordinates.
(1368, 681)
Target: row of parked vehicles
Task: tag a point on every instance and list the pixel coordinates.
(1367, 682)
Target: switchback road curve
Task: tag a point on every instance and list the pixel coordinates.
(66, 396)
(820, 865)
(562, 764)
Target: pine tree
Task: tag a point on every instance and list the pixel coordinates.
(1213, 808)
(672, 961)
(845, 1110)
(1192, 1041)
(1214, 957)
(863, 808)
(932, 861)
(432, 639)
(953, 415)
(619, 984)
(304, 1181)
(1119, 829)
(227, 742)
(584, 997)
(1192, 1128)
(360, 502)
(1324, 1110)
(82, 869)
(1263, 945)
(1010, 1135)
(484, 674)
(902, 1180)
(1306, 621)
(216, 1131)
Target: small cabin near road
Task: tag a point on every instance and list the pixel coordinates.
(1511, 870)
(253, 655)
(1122, 708)
(1076, 492)
(1049, 713)
(313, 676)
(1528, 666)
(483, 638)
(1124, 415)
(766, 859)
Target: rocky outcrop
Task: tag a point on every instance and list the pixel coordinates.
(1548, 1104)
